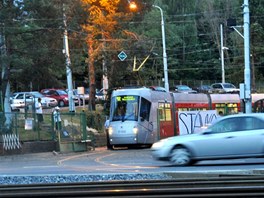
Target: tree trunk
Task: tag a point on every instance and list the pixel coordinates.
(91, 71)
(5, 84)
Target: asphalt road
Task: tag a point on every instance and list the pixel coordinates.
(102, 161)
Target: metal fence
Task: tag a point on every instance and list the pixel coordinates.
(17, 127)
(259, 86)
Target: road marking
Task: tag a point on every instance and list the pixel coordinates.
(52, 166)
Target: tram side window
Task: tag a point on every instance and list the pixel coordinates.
(145, 109)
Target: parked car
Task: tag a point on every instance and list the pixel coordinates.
(78, 98)
(17, 102)
(20, 99)
(203, 88)
(99, 94)
(223, 88)
(46, 102)
(59, 94)
(183, 89)
(233, 136)
(157, 88)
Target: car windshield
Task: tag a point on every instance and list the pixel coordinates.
(37, 94)
(228, 85)
(61, 92)
(205, 86)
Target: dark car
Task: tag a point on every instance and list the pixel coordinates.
(202, 88)
(183, 89)
(59, 94)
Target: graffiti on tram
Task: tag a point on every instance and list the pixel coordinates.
(193, 121)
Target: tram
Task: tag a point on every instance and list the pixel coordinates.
(133, 116)
(141, 116)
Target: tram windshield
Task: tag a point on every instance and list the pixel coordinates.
(125, 108)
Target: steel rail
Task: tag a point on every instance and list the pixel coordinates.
(245, 186)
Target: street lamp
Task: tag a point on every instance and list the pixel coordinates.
(165, 65)
(133, 6)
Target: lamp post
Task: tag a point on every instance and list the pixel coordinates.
(165, 65)
(68, 64)
(248, 99)
(133, 6)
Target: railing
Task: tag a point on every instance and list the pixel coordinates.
(19, 127)
(226, 186)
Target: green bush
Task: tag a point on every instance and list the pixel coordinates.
(96, 120)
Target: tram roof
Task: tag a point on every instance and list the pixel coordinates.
(145, 92)
(224, 98)
(190, 98)
(257, 96)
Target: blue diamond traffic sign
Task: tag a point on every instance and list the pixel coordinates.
(122, 56)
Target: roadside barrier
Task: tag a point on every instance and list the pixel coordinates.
(11, 141)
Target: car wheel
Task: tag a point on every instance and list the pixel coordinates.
(180, 156)
(61, 103)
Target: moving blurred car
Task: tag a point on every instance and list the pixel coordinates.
(223, 88)
(20, 99)
(59, 94)
(183, 89)
(234, 136)
(203, 88)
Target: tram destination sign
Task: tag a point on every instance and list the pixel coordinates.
(125, 98)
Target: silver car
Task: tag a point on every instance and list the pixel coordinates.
(21, 99)
(223, 88)
(234, 136)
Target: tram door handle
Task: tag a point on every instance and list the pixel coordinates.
(151, 126)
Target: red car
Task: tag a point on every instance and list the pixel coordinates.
(59, 94)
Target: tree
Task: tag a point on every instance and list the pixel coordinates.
(105, 31)
(99, 25)
(9, 12)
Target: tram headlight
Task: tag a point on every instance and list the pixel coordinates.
(110, 130)
(135, 130)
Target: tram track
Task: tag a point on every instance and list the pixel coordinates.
(220, 186)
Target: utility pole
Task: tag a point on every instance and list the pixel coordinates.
(165, 65)
(68, 63)
(222, 54)
(248, 99)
